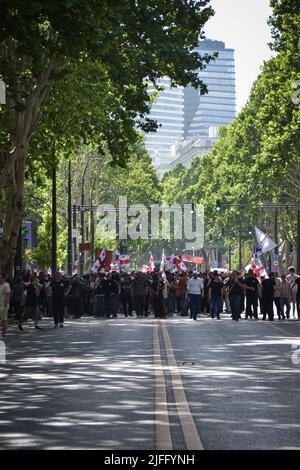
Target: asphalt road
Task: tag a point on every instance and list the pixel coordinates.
(145, 384)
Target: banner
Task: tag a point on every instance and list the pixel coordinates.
(264, 243)
(193, 259)
(103, 260)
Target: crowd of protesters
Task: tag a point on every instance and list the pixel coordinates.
(138, 294)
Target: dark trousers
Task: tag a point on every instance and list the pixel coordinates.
(251, 302)
(100, 306)
(285, 301)
(18, 309)
(195, 304)
(278, 307)
(267, 303)
(76, 306)
(235, 305)
(127, 304)
(158, 306)
(111, 305)
(139, 304)
(182, 305)
(58, 311)
(216, 305)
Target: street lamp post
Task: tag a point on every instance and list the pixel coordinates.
(83, 211)
(298, 241)
(54, 223)
(69, 263)
(240, 247)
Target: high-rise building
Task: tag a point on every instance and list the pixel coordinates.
(183, 114)
(168, 111)
(203, 114)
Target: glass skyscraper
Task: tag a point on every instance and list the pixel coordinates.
(203, 114)
(184, 114)
(168, 111)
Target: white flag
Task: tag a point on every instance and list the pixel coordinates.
(264, 242)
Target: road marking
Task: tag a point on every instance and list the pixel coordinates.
(283, 330)
(191, 436)
(163, 438)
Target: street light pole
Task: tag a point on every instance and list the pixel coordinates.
(298, 241)
(54, 223)
(83, 212)
(74, 237)
(276, 250)
(240, 247)
(69, 263)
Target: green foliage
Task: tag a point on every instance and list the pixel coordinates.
(41, 255)
(257, 157)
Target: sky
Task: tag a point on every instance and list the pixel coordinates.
(242, 25)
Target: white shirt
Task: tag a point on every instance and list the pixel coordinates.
(195, 286)
(4, 289)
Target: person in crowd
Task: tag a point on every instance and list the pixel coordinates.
(277, 294)
(139, 292)
(57, 290)
(165, 293)
(291, 278)
(156, 294)
(32, 289)
(5, 294)
(100, 295)
(285, 297)
(235, 288)
(267, 295)
(261, 305)
(181, 294)
(251, 284)
(111, 290)
(92, 301)
(216, 292)
(206, 303)
(195, 289)
(126, 295)
(171, 299)
(296, 284)
(75, 297)
(17, 301)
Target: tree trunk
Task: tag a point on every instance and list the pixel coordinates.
(13, 212)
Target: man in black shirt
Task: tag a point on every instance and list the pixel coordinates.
(235, 289)
(252, 292)
(100, 293)
(57, 290)
(297, 283)
(267, 296)
(126, 296)
(111, 291)
(215, 293)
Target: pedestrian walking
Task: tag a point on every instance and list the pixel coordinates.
(285, 297)
(252, 293)
(139, 292)
(267, 295)
(216, 292)
(235, 288)
(17, 292)
(195, 288)
(57, 290)
(5, 293)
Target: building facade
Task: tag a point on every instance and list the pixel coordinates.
(187, 118)
(168, 111)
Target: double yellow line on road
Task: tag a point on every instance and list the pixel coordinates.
(162, 423)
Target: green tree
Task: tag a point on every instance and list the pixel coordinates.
(131, 40)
